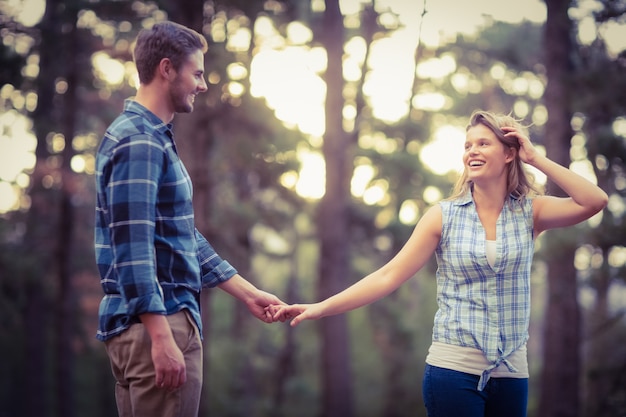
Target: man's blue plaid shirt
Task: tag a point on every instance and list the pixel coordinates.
(150, 256)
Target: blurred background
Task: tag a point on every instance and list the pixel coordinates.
(327, 129)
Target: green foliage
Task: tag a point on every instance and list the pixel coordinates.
(497, 46)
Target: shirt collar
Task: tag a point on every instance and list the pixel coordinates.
(132, 106)
(467, 198)
(464, 199)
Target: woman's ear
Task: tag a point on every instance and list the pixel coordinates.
(511, 153)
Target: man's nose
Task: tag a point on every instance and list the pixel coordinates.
(203, 86)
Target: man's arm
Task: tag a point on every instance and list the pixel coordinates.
(213, 268)
(217, 272)
(131, 195)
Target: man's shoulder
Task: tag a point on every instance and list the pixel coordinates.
(133, 127)
(129, 124)
(136, 118)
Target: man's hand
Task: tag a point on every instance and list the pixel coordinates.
(168, 360)
(259, 306)
(169, 364)
(256, 300)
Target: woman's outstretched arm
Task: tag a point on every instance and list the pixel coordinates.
(411, 258)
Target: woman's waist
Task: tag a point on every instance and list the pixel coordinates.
(473, 360)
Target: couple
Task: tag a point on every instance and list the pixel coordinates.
(154, 263)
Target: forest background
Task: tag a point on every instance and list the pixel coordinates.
(327, 129)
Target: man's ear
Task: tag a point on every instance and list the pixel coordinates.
(166, 69)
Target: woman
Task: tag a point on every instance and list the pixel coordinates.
(483, 239)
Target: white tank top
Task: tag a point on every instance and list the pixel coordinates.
(490, 249)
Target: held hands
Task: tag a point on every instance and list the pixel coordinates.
(256, 300)
(270, 309)
(260, 306)
(296, 312)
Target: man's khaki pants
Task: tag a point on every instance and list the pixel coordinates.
(131, 362)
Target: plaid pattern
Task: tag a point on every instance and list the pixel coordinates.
(480, 306)
(149, 254)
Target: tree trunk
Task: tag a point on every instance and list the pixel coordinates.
(394, 344)
(50, 220)
(599, 381)
(65, 236)
(286, 359)
(332, 227)
(559, 395)
(600, 371)
(35, 364)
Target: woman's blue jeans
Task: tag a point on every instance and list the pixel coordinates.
(449, 393)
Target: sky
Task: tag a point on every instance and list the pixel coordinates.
(445, 18)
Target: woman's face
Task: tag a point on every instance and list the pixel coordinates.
(485, 157)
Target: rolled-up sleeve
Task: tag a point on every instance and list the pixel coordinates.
(213, 268)
(131, 191)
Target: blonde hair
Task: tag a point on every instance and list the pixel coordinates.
(520, 183)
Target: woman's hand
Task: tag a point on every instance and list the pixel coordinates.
(527, 152)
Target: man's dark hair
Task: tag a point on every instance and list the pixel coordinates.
(165, 40)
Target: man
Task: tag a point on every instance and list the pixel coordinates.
(152, 261)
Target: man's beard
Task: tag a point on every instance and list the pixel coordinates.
(180, 99)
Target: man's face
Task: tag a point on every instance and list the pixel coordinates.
(188, 83)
